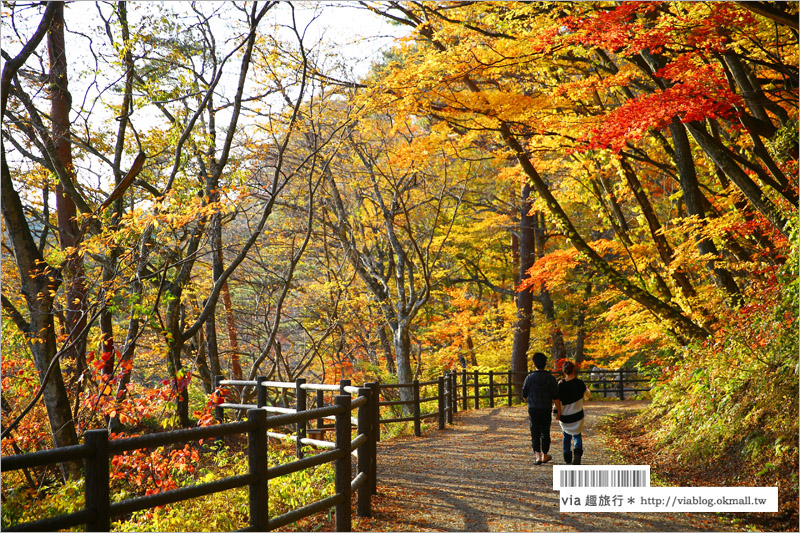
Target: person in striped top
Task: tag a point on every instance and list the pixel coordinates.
(572, 391)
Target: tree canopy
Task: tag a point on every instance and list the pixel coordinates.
(192, 190)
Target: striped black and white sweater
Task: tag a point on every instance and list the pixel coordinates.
(571, 393)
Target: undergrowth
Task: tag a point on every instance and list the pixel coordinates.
(732, 401)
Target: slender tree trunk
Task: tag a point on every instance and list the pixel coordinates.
(126, 363)
(662, 245)
(218, 266)
(210, 342)
(206, 376)
(621, 229)
(387, 349)
(557, 347)
(471, 350)
(39, 281)
(693, 200)
(401, 339)
(752, 93)
(107, 347)
(580, 324)
(177, 373)
(522, 329)
(66, 211)
(180, 383)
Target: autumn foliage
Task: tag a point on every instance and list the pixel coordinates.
(610, 182)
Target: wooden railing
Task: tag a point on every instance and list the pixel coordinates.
(453, 391)
(97, 451)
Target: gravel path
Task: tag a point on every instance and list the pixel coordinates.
(478, 475)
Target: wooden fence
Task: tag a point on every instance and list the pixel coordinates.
(97, 451)
(472, 389)
(451, 392)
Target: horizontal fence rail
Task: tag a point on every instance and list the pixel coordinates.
(450, 392)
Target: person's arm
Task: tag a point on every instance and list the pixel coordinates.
(556, 398)
(587, 394)
(525, 388)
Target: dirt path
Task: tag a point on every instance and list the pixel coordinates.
(478, 475)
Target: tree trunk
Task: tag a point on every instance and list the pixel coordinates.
(107, 347)
(557, 348)
(401, 339)
(180, 383)
(218, 266)
(580, 323)
(522, 329)
(126, 362)
(693, 200)
(211, 349)
(175, 342)
(66, 211)
(59, 415)
(39, 282)
(387, 349)
(662, 245)
(201, 362)
(752, 93)
(471, 351)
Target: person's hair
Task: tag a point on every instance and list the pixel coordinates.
(539, 360)
(568, 368)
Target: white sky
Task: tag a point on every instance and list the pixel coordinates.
(360, 34)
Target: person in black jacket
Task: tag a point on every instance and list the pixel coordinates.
(541, 391)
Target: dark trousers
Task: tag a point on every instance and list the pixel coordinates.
(540, 429)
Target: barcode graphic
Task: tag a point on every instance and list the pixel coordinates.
(604, 478)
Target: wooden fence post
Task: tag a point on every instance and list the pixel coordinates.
(257, 459)
(464, 389)
(477, 391)
(300, 398)
(621, 385)
(261, 391)
(219, 413)
(417, 424)
(451, 385)
(510, 386)
(364, 507)
(97, 480)
(442, 401)
(344, 520)
(376, 435)
(491, 388)
(377, 411)
(344, 383)
(320, 403)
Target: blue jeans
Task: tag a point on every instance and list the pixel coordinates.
(568, 441)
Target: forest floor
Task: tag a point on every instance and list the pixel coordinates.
(478, 475)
